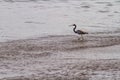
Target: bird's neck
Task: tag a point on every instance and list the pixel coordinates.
(74, 28)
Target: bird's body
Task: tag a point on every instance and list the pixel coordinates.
(79, 32)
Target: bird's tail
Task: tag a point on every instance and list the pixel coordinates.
(86, 32)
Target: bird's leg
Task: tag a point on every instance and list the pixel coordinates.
(82, 37)
(79, 38)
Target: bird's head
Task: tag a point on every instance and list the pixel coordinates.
(73, 25)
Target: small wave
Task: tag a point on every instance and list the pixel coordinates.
(103, 2)
(20, 0)
(34, 22)
(85, 6)
(103, 11)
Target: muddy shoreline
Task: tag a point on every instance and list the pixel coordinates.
(61, 57)
(62, 42)
(82, 70)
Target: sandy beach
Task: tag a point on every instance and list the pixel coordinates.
(60, 57)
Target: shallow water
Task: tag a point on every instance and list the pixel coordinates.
(21, 19)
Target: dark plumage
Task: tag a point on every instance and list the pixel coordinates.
(79, 32)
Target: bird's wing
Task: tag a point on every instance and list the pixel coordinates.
(81, 32)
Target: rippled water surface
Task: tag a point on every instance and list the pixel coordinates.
(21, 19)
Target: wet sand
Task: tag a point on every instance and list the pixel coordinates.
(61, 57)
